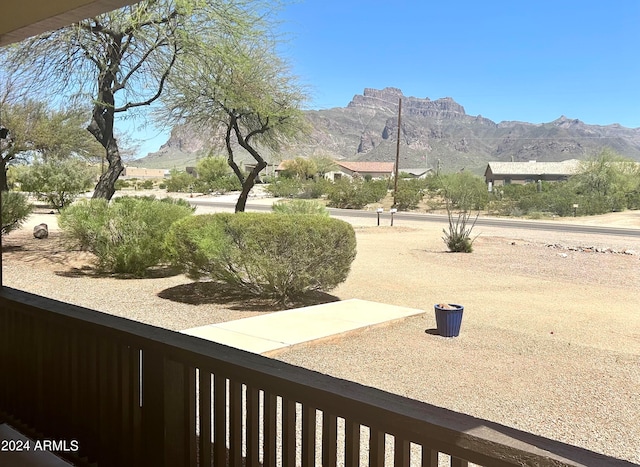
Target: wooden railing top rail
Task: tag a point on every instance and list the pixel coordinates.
(460, 435)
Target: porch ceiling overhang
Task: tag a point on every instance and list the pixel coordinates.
(20, 19)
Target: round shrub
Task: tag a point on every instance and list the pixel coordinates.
(127, 235)
(270, 255)
(15, 210)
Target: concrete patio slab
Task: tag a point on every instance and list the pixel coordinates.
(273, 332)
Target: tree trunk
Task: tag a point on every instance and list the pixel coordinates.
(4, 186)
(101, 127)
(106, 186)
(249, 182)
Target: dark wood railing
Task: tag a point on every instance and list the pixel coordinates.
(131, 394)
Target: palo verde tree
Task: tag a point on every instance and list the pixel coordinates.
(120, 61)
(36, 131)
(241, 90)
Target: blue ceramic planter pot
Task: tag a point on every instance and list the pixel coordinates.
(448, 319)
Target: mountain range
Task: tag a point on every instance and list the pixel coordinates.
(433, 133)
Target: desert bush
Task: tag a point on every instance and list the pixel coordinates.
(285, 187)
(147, 185)
(269, 255)
(409, 194)
(458, 235)
(356, 193)
(314, 189)
(463, 190)
(58, 182)
(180, 182)
(127, 236)
(300, 206)
(15, 210)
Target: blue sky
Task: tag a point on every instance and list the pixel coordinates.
(506, 60)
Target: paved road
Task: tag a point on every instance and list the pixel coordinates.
(556, 226)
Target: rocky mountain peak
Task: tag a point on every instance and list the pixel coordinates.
(431, 130)
(387, 100)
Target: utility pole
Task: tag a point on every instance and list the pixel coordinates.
(395, 169)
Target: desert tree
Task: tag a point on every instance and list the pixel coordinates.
(606, 182)
(301, 167)
(35, 130)
(241, 91)
(119, 61)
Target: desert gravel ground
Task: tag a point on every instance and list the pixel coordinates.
(550, 339)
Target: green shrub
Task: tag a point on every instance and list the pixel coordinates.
(121, 184)
(58, 182)
(300, 206)
(313, 189)
(356, 193)
(127, 236)
(269, 255)
(15, 210)
(180, 182)
(409, 194)
(147, 185)
(285, 187)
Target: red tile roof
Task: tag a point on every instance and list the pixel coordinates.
(367, 167)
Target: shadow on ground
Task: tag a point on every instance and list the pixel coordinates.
(203, 293)
(159, 272)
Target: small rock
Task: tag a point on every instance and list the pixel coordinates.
(41, 231)
(630, 252)
(563, 255)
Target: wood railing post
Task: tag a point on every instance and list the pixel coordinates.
(167, 428)
(153, 417)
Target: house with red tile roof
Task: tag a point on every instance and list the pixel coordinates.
(353, 169)
(362, 169)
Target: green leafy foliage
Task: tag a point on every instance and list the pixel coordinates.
(58, 182)
(127, 235)
(300, 206)
(15, 210)
(463, 190)
(180, 182)
(603, 184)
(284, 187)
(313, 189)
(356, 193)
(214, 175)
(270, 255)
(409, 194)
(300, 168)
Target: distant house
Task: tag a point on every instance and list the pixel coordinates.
(417, 172)
(374, 170)
(139, 172)
(504, 173)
